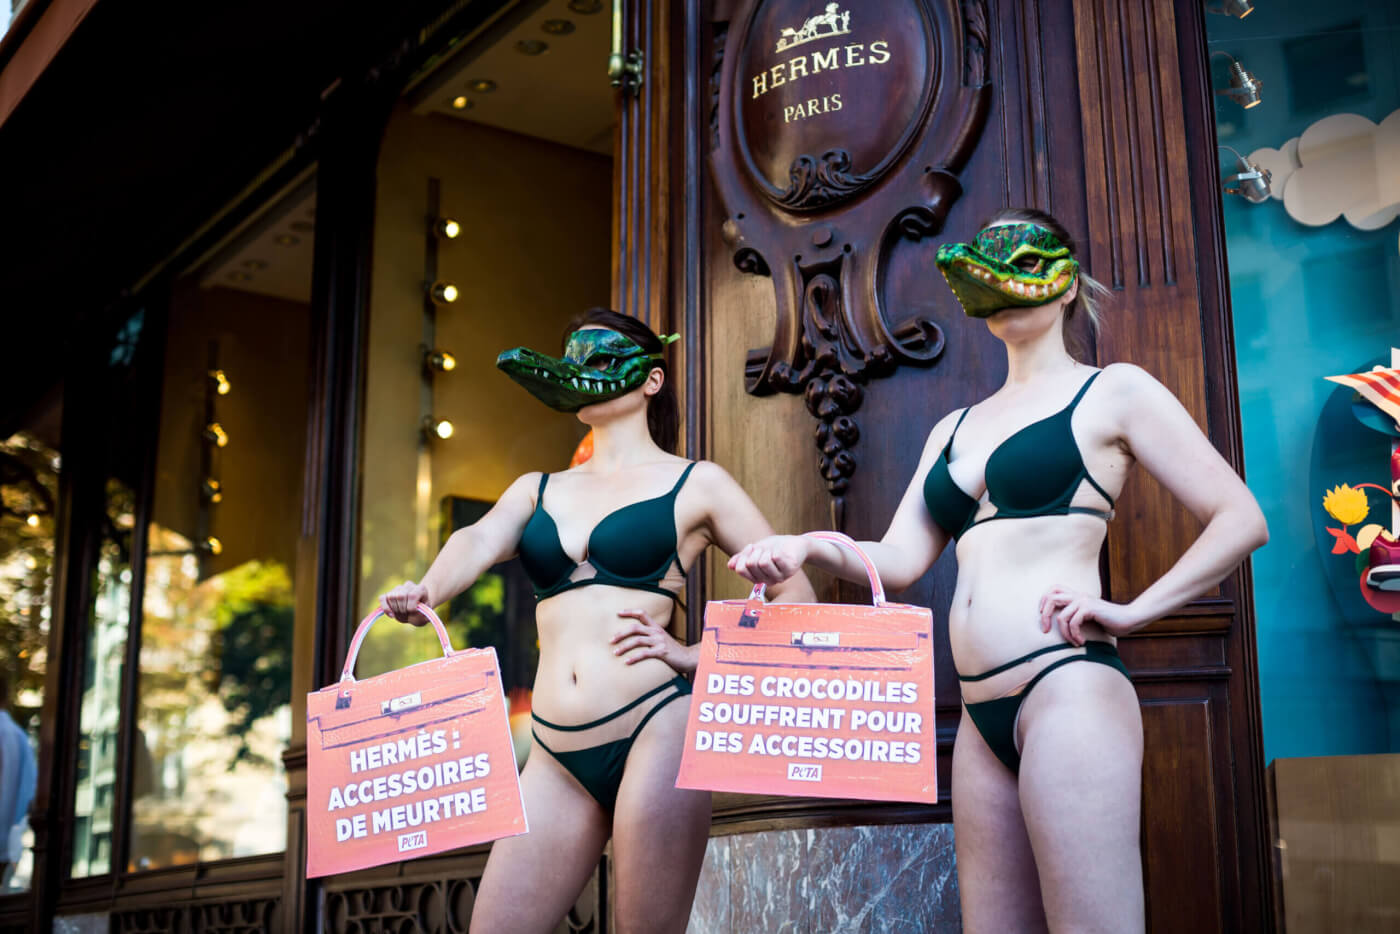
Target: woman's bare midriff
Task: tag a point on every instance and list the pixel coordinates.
(1004, 568)
(579, 678)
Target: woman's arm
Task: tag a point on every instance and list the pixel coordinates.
(731, 518)
(910, 545)
(469, 551)
(1161, 434)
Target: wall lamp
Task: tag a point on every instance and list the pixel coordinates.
(211, 546)
(439, 428)
(220, 381)
(212, 490)
(214, 432)
(440, 360)
(1244, 87)
(442, 293)
(1239, 9)
(445, 228)
(1250, 182)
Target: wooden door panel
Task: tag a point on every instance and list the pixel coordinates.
(748, 435)
(1141, 244)
(1095, 110)
(1181, 859)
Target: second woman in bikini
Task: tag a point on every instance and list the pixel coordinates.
(1047, 773)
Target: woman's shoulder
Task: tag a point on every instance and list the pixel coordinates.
(712, 481)
(1128, 383)
(943, 429)
(527, 485)
(1130, 398)
(1128, 376)
(708, 473)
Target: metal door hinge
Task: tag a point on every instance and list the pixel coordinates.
(625, 70)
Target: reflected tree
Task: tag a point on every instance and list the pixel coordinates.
(28, 491)
(254, 647)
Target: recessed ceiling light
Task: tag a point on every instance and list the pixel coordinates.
(532, 46)
(240, 275)
(481, 85)
(461, 103)
(585, 6)
(558, 27)
(255, 264)
(286, 240)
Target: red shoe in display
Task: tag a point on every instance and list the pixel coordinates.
(1385, 564)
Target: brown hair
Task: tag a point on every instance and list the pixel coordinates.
(663, 411)
(1092, 293)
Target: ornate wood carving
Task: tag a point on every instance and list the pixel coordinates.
(240, 916)
(438, 904)
(435, 905)
(719, 34)
(816, 183)
(827, 120)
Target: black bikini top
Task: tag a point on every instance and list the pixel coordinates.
(633, 547)
(1035, 472)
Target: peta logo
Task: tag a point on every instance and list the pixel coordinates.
(413, 841)
(804, 772)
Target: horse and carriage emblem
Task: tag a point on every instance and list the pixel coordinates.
(834, 22)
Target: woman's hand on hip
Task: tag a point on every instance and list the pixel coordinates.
(771, 560)
(402, 603)
(644, 637)
(1067, 610)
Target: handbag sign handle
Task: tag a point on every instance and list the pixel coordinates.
(877, 589)
(347, 677)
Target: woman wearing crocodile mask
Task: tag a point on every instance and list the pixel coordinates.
(1047, 763)
(606, 545)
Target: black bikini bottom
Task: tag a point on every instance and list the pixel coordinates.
(995, 719)
(598, 766)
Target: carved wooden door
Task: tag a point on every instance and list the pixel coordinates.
(832, 146)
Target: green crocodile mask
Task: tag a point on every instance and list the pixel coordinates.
(597, 365)
(1007, 265)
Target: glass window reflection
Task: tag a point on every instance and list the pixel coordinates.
(1314, 294)
(214, 713)
(115, 465)
(29, 466)
(99, 718)
(1314, 279)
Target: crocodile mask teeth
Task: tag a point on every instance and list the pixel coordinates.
(597, 365)
(1008, 265)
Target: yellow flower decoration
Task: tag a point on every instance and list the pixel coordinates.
(1346, 504)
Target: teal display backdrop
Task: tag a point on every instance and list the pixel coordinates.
(1309, 302)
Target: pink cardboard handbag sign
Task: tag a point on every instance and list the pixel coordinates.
(409, 763)
(814, 699)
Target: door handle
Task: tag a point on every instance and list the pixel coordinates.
(625, 69)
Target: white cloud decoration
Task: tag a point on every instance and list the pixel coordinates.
(1342, 166)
